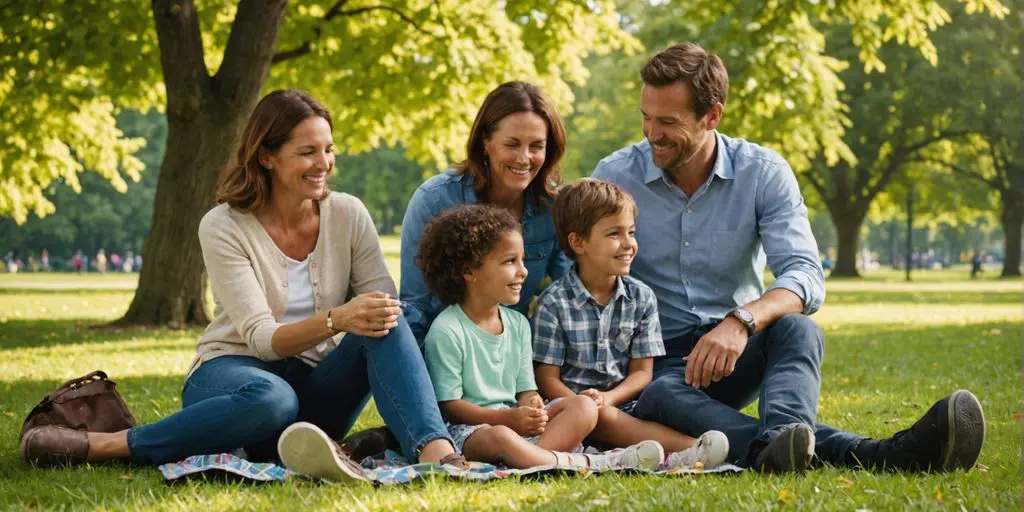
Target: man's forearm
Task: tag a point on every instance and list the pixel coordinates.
(772, 306)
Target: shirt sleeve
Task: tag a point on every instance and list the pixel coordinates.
(788, 242)
(648, 341)
(413, 288)
(444, 356)
(548, 338)
(369, 271)
(235, 285)
(525, 381)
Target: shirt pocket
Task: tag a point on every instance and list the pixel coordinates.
(623, 340)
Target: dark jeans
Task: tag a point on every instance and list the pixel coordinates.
(243, 402)
(781, 366)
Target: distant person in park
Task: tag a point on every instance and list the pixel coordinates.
(283, 253)
(129, 262)
(115, 262)
(44, 260)
(479, 354)
(101, 261)
(512, 161)
(713, 210)
(78, 261)
(976, 264)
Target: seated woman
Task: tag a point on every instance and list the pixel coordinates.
(283, 252)
(512, 161)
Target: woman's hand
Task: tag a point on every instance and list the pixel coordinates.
(371, 314)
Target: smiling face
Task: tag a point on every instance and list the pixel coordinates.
(499, 279)
(610, 246)
(674, 131)
(301, 165)
(515, 152)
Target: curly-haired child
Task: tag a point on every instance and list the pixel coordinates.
(479, 354)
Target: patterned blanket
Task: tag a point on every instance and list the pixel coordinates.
(388, 470)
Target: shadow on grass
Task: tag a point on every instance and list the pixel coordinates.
(923, 297)
(15, 334)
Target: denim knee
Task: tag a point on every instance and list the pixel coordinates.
(655, 398)
(272, 404)
(799, 332)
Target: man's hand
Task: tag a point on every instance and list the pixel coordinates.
(527, 421)
(594, 394)
(714, 357)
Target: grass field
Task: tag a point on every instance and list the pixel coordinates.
(892, 349)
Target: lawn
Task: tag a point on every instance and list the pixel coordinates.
(893, 348)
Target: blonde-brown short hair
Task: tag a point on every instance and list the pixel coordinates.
(580, 205)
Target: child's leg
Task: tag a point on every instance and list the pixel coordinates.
(502, 445)
(566, 431)
(620, 429)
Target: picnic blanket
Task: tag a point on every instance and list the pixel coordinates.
(390, 469)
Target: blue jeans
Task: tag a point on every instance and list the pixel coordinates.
(781, 367)
(235, 402)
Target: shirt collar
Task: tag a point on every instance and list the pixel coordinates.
(722, 167)
(582, 296)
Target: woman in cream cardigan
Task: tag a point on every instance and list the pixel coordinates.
(284, 253)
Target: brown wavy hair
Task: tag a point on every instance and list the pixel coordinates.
(512, 98)
(694, 66)
(245, 183)
(456, 242)
(583, 204)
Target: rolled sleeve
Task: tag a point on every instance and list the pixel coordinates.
(548, 338)
(648, 342)
(233, 280)
(788, 242)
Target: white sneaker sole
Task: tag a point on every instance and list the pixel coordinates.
(649, 455)
(715, 447)
(307, 450)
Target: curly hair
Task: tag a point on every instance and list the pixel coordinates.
(456, 242)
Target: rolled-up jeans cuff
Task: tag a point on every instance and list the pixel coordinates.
(429, 438)
(132, 441)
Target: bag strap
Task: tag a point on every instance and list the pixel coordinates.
(74, 383)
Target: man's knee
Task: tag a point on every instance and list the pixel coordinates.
(658, 396)
(801, 332)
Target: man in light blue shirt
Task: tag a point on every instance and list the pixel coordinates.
(713, 211)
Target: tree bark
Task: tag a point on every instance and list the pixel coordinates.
(1012, 221)
(848, 233)
(205, 118)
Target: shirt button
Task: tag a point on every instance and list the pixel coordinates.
(689, 210)
(284, 283)
(312, 265)
(686, 244)
(693, 307)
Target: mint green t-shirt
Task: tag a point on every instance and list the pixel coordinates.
(468, 363)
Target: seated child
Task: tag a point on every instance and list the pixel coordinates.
(478, 351)
(596, 330)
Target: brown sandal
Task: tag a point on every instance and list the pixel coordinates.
(457, 460)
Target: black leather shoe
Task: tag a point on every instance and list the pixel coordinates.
(370, 442)
(948, 437)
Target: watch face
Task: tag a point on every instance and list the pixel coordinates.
(745, 316)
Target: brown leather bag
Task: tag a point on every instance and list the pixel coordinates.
(89, 403)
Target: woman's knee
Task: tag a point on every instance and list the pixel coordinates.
(270, 401)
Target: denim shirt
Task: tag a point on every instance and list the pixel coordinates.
(705, 255)
(448, 189)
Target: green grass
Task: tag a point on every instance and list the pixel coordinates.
(892, 349)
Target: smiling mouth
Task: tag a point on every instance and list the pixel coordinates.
(316, 179)
(516, 286)
(518, 171)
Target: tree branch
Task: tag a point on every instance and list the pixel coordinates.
(961, 171)
(249, 50)
(335, 11)
(817, 185)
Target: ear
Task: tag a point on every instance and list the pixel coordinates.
(714, 116)
(264, 157)
(576, 243)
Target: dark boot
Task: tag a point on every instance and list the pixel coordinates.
(370, 442)
(52, 446)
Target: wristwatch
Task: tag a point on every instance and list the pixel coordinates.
(747, 318)
(330, 323)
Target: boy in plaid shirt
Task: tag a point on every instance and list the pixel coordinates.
(596, 329)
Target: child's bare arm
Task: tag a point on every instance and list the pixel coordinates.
(526, 421)
(549, 381)
(640, 373)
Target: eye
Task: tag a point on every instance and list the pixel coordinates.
(511, 144)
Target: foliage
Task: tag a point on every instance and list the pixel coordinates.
(882, 371)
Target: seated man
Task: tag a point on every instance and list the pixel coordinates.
(713, 210)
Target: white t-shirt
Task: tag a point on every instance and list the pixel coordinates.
(301, 306)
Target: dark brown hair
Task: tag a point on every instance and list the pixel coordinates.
(245, 183)
(690, 64)
(456, 242)
(582, 204)
(512, 98)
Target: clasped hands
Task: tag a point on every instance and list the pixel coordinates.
(371, 314)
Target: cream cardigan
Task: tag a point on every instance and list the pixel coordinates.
(249, 275)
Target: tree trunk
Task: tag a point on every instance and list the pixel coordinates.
(848, 233)
(1012, 222)
(205, 118)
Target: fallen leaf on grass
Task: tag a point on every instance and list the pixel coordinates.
(846, 482)
(1018, 415)
(785, 496)
(9, 414)
(600, 502)
(938, 495)
(983, 468)
(126, 477)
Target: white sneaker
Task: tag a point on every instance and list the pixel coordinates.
(307, 450)
(643, 455)
(711, 450)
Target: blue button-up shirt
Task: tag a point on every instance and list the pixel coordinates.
(594, 343)
(448, 189)
(705, 255)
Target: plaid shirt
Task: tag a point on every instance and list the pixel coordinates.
(593, 343)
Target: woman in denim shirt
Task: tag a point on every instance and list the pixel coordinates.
(513, 156)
